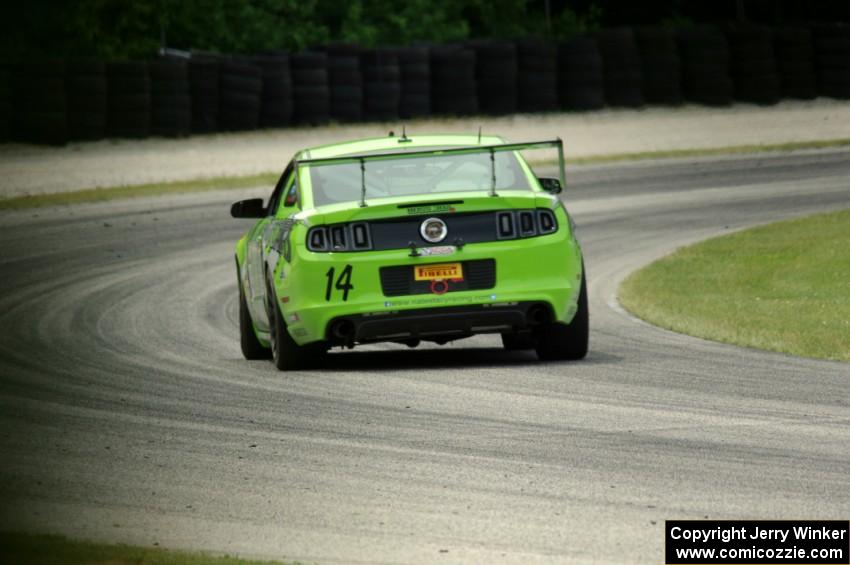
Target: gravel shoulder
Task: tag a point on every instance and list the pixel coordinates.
(27, 169)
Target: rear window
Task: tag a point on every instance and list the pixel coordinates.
(435, 174)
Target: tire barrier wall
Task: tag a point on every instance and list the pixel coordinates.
(705, 66)
(311, 98)
(621, 66)
(39, 103)
(496, 76)
(5, 105)
(753, 64)
(240, 90)
(453, 89)
(795, 63)
(128, 99)
(415, 68)
(85, 89)
(537, 66)
(345, 82)
(54, 101)
(171, 97)
(203, 86)
(381, 84)
(660, 65)
(832, 56)
(276, 92)
(581, 84)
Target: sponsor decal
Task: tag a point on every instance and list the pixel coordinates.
(434, 209)
(441, 272)
(439, 250)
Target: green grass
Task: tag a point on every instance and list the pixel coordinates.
(781, 287)
(710, 151)
(101, 194)
(30, 549)
(134, 191)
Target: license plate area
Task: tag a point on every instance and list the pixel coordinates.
(440, 272)
(400, 280)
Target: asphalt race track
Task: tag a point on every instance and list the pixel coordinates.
(127, 413)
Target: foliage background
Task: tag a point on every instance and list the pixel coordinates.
(137, 28)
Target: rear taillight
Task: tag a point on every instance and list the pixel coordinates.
(525, 223)
(339, 237)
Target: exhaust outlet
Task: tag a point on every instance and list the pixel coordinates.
(343, 330)
(537, 315)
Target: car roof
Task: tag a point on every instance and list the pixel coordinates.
(395, 144)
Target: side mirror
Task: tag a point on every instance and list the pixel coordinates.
(552, 186)
(251, 208)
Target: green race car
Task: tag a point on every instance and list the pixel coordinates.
(398, 239)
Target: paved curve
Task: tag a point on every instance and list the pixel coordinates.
(126, 412)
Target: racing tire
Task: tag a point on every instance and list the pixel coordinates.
(286, 354)
(518, 341)
(559, 342)
(252, 349)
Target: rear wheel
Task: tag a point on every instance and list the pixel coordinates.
(567, 341)
(518, 341)
(286, 354)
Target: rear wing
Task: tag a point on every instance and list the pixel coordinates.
(472, 149)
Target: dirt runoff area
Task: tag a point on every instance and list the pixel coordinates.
(27, 169)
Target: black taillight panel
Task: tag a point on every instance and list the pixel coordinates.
(397, 233)
(527, 223)
(360, 239)
(505, 225)
(317, 239)
(340, 237)
(546, 221)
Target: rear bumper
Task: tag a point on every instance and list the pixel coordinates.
(438, 324)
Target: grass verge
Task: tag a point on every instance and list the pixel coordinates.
(269, 178)
(30, 549)
(711, 151)
(134, 191)
(781, 287)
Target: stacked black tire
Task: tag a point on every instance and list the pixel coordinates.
(311, 98)
(537, 66)
(381, 84)
(753, 65)
(203, 85)
(5, 104)
(453, 89)
(832, 55)
(129, 99)
(660, 65)
(85, 86)
(276, 94)
(621, 66)
(705, 66)
(345, 81)
(795, 62)
(39, 102)
(580, 76)
(496, 76)
(415, 67)
(171, 97)
(240, 89)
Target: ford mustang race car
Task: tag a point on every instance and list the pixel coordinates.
(399, 239)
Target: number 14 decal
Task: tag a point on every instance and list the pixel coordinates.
(343, 283)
